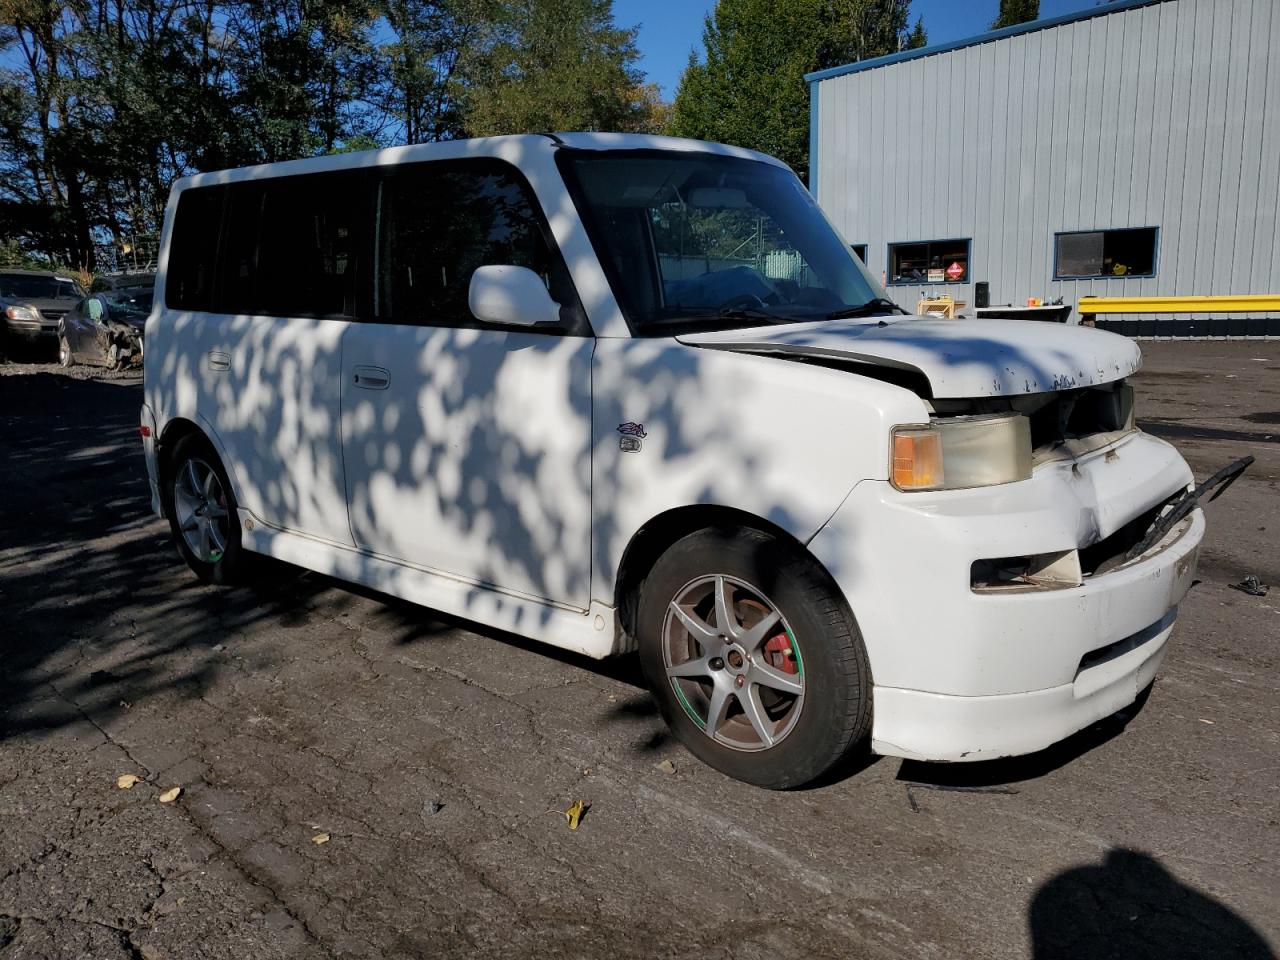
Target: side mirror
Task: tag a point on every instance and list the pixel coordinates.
(509, 294)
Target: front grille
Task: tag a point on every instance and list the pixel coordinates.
(1082, 413)
(53, 314)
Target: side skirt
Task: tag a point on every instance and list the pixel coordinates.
(593, 632)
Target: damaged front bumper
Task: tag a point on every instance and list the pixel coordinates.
(963, 671)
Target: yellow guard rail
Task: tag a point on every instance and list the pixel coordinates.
(1243, 303)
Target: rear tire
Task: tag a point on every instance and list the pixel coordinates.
(789, 697)
(201, 507)
(65, 357)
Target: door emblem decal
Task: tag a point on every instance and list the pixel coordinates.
(632, 435)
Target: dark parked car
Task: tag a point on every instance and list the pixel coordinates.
(106, 328)
(33, 302)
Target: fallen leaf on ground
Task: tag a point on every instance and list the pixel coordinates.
(666, 766)
(126, 781)
(171, 795)
(575, 813)
(1203, 720)
(320, 838)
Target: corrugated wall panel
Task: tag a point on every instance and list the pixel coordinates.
(1165, 115)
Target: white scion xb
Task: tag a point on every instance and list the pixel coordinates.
(618, 392)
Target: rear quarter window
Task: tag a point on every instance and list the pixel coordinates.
(193, 249)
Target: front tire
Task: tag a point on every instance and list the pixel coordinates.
(753, 657)
(65, 357)
(201, 507)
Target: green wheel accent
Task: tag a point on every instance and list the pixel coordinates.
(688, 707)
(795, 652)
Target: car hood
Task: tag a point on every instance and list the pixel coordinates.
(961, 359)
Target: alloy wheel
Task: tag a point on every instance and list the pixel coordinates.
(200, 507)
(733, 662)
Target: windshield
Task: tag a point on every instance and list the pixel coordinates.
(133, 303)
(695, 241)
(26, 286)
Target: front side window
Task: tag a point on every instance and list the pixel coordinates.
(438, 222)
(695, 241)
(1130, 252)
(932, 261)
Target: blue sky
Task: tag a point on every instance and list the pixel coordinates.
(670, 28)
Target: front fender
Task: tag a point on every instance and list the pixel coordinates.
(675, 425)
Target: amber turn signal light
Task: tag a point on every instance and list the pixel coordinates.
(917, 460)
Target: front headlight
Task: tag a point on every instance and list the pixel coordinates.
(961, 452)
(21, 313)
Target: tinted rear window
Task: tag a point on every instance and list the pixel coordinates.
(193, 249)
(279, 247)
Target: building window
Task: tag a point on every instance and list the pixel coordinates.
(1105, 253)
(859, 251)
(932, 261)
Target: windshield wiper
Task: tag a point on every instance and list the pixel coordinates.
(870, 308)
(751, 313)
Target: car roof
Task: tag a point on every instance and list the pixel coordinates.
(499, 147)
(23, 271)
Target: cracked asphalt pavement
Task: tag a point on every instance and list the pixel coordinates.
(438, 756)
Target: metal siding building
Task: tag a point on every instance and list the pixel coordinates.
(1140, 114)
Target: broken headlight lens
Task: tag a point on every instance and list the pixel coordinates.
(961, 452)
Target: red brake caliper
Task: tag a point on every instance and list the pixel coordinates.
(778, 651)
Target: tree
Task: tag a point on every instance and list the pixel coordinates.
(104, 103)
(558, 65)
(420, 76)
(1013, 12)
(748, 86)
(918, 37)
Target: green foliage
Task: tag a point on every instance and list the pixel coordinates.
(1013, 12)
(104, 103)
(13, 255)
(748, 86)
(918, 37)
(558, 65)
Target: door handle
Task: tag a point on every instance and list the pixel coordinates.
(219, 360)
(372, 378)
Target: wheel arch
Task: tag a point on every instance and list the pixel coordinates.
(661, 532)
(176, 429)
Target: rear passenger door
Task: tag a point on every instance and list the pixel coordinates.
(263, 349)
(466, 445)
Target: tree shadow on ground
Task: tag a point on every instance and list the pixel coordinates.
(1129, 907)
(99, 612)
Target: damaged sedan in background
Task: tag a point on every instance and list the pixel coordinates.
(106, 329)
